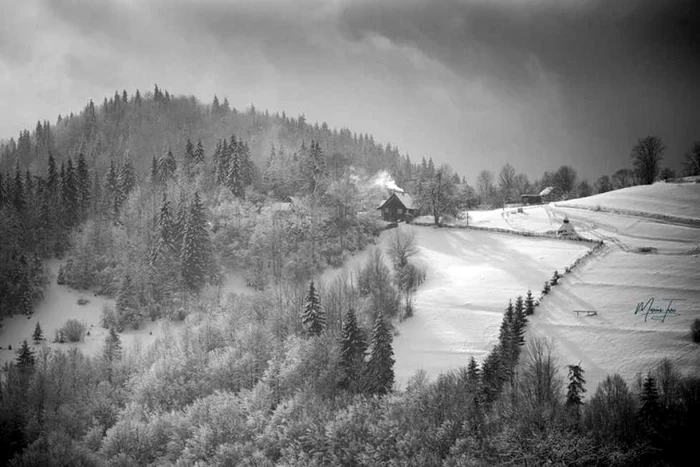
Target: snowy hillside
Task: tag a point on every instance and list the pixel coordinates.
(652, 236)
(662, 200)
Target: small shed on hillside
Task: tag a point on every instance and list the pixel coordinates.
(399, 207)
(566, 229)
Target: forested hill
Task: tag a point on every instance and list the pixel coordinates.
(141, 126)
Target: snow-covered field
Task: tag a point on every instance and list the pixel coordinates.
(671, 201)
(60, 304)
(470, 277)
(652, 250)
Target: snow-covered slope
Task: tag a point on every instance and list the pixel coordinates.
(471, 275)
(667, 201)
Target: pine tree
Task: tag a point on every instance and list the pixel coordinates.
(529, 303)
(127, 303)
(166, 167)
(519, 321)
(70, 195)
(112, 351)
(19, 200)
(555, 278)
(491, 381)
(473, 372)
(199, 153)
(196, 249)
(25, 356)
(352, 352)
(313, 318)
(650, 408)
(127, 179)
(38, 334)
(505, 333)
(233, 178)
(113, 346)
(380, 368)
(576, 386)
(52, 181)
(165, 226)
(84, 185)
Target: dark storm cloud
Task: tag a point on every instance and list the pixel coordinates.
(576, 40)
(475, 83)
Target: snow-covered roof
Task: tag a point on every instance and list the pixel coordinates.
(547, 191)
(406, 200)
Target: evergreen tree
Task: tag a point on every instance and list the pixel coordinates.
(127, 305)
(25, 356)
(473, 372)
(166, 167)
(70, 196)
(196, 249)
(313, 318)
(52, 181)
(529, 303)
(112, 350)
(519, 321)
(199, 153)
(19, 200)
(491, 379)
(650, 408)
(127, 179)
(234, 180)
(84, 185)
(380, 368)
(38, 334)
(165, 226)
(576, 387)
(506, 335)
(352, 352)
(555, 278)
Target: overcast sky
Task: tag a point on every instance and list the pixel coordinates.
(474, 83)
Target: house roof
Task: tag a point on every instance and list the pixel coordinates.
(547, 191)
(404, 198)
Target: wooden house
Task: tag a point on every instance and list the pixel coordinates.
(399, 207)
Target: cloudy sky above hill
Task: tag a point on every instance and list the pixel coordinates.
(473, 83)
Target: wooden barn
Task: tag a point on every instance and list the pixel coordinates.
(399, 207)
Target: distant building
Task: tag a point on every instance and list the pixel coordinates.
(531, 199)
(399, 207)
(549, 194)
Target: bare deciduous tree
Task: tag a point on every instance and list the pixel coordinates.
(647, 155)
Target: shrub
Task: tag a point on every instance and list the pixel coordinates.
(83, 301)
(73, 330)
(555, 278)
(695, 330)
(546, 288)
(109, 318)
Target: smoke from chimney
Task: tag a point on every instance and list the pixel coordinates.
(383, 179)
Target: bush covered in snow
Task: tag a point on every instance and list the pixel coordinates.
(73, 330)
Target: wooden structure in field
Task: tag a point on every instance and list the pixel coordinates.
(399, 207)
